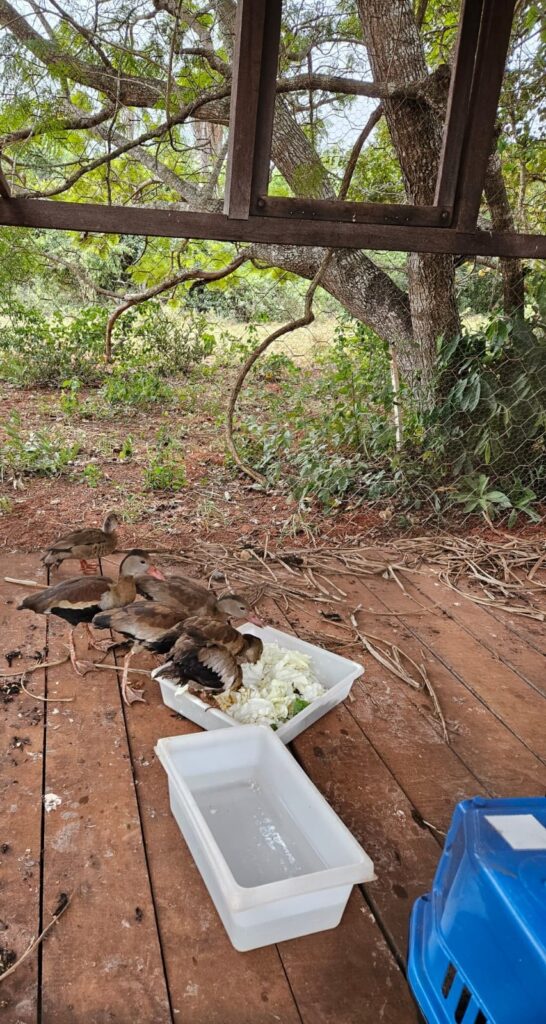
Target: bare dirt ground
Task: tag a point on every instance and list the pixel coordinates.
(217, 503)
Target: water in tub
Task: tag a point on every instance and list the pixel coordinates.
(257, 835)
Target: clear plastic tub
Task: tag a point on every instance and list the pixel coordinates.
(336, 674)
(277, 861)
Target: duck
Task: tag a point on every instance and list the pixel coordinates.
(148, 626)
(209, 655)
(156, 628)
(85, 544)
(80, 598)
(193, 599)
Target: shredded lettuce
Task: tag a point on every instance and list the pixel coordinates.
(278, 687)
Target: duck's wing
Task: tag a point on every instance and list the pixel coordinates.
(209, 630)
(222, 663)
(212, 668)
(145, 622)
(177, 592)
(78, 592)
(77, 538)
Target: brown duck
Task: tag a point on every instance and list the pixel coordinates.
(85, 544)
(192, 598)
(208, 656)
(156, 628)
(80, 598)
(149, 627)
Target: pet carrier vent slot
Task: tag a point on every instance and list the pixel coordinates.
(462, 1004)
(480, 1018)
(448, 980)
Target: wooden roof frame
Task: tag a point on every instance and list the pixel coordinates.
(251, 215)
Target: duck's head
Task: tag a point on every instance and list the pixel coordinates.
(139, 563)
(111, 523)
(252, 650)
(233, 606)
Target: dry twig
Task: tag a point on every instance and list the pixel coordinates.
(393, 660)
(62, 905)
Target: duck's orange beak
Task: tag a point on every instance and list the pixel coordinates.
(154, 571)
(255, 620)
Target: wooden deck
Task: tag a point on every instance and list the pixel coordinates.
(141, 940)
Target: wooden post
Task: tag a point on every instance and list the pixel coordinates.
(257, 36)
(493, 42)
(458, 102)
(5, 191)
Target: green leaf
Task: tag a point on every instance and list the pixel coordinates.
(297, 705)
(499, 498)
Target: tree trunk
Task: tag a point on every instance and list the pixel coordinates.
(502, 219)
(396, 51)
(363, 290)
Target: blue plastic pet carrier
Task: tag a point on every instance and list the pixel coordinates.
(477, 952)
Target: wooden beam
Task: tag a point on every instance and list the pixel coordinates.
(266, 98)
(493, 42)
(43, 213)
(458, 102)
(5, 191)
(257, 34)
(355, 213)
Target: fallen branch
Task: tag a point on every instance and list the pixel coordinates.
(34, 668)
(24, 583)
(63, 904)
(392, 660)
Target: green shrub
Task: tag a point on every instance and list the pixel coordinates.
(92, 475)
(38, 453)
(35, 349)
(166, 470)
(135, 387)
(70, 402)
(150, 337)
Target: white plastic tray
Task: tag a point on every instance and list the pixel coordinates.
(276, 859)
(336, 674)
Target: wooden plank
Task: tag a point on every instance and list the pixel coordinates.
(21, 744)
(458, 102)
(103, 961)
(495, 757)
(266, 99)
(519, 707)
(531, 631)
(346, 975)
(208, 979)
(356, 213)
(494, 39)
(43, 213)
(493, 634)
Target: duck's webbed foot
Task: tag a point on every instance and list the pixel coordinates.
(80, 667)
(89, 568)
(130, 696)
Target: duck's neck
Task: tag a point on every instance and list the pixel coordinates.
(125, 590)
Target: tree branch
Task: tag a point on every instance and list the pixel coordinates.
(132, 90)
(195, 274)
(107, 158)
(79, 120)
(346, 86)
